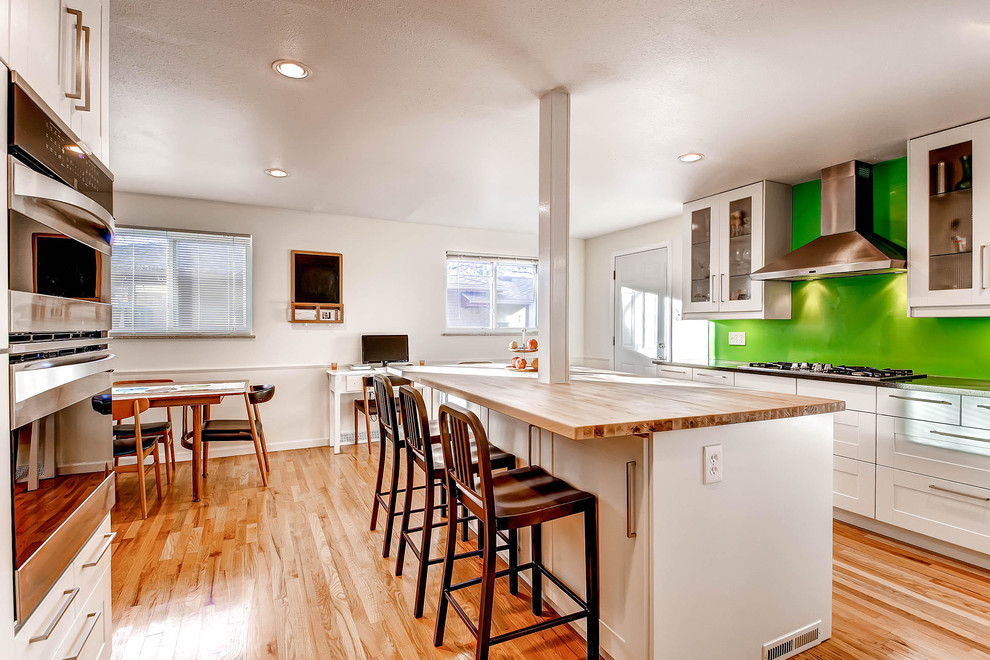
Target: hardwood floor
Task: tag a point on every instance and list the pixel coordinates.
(293, 572)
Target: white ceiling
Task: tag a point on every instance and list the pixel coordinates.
(427, 111)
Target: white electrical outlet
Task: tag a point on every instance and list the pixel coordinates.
(737, 339)
(712, 464)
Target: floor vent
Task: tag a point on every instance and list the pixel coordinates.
(792, 643)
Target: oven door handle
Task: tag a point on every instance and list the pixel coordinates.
(31, 190)
(30, 380)
(93, 357)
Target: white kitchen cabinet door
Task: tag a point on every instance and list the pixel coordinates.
(84, 71)
(5, 31)
(36, 48)
(856, 397)
(949, 223)
(673, 371)
(740, 245)
(944, 510)
(765, 383)
(701, 238)
(617, 472)
(713, 376)
(855, 435)
(946, 451)
(854, 486)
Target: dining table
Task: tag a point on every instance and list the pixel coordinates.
(195, 395)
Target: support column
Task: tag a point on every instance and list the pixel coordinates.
(555, 129)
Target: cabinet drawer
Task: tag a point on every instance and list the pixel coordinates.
(354, 383)
(944, 510)
(89, 636)
(930, 406)
(94, 558)
(976, 412)
(764, 383)
(857, 397)
(713, 376)
(681, 373)
(854, 435)
(854, 486)
(50, 622)
(957, 453)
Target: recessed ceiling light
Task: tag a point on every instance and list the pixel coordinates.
(692, 157)
(277, 173)
(291, 69)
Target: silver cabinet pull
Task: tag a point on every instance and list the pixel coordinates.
(911, 398)
(956, 435)
(673, 371)
(76, 92)
(711, 294)
(86, 107)
(721, 288)
(708, 375)
(71, 593)
(630, 499)
(980, 405)
(106, 546)
(93, 618)
(983, 268)
(956, 492)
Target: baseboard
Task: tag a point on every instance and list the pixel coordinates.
(912, 538)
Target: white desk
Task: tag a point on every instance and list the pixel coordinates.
(349, 381)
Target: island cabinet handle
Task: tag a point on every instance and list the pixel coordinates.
(94, 618)
(956, 492)
(71, 593)
(961, 437)
(99, 555)
(630, 501)
(911, 398)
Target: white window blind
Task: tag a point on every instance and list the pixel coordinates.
(172, 282)
(490, 293)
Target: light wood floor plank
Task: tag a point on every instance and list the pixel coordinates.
(292, 572)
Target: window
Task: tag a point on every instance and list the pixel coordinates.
(167, 282)
(486, 293)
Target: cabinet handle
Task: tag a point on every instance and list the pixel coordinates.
(708, 375)
(94, 618)
(911, 398)
(983, 268)
(71, 593)
(630, 500)
(85, 107)
(673, 371)
(956, 435)
(77, 89)
(980, 405)
(956, 492)
(721, 287)
(711, 296)
(106, 546)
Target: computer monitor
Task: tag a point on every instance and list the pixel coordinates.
(384, 348)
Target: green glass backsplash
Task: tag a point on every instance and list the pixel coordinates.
(861, 320)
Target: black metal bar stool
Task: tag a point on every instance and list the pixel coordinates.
(423, 451)
(524, 497)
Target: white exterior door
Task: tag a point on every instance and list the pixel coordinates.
(641, 312)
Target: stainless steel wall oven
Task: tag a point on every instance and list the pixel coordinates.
(60, 229)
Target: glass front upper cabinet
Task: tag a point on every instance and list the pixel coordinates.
(947, 230)
(702, 250)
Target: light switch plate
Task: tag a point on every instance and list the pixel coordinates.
(737, 339)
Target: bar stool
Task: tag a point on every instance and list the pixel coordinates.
(423, 450)
(524, 497)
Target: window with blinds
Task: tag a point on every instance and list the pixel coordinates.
(490, 293)
(169, 282)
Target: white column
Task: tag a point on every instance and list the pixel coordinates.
(555, 128)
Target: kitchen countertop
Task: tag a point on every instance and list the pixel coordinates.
(940, 384)
(602, 404)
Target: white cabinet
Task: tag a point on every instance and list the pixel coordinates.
(713, 376)
(673, 371)
(60, 48)
(949, 222)
(854, 485)
(727, 237)
(5, 31)
(854, 435)
(945, 451)
(616, 472)
(764, 383)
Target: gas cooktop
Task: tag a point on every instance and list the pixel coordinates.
(830, 371)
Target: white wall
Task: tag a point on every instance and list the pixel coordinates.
(393, 282)
(689, 339)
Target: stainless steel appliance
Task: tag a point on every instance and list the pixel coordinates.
(60, 231)
(848, 244)
(853, 374)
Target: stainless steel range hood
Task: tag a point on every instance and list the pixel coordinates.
(848, 245)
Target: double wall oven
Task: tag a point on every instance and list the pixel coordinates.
(60, 231)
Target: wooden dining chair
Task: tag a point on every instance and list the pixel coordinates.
(367, 406)
(137, 440)
(168, 445)
(239, 430)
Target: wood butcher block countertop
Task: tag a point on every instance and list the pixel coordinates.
(603, 404)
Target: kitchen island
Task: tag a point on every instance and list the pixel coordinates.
(688, 569)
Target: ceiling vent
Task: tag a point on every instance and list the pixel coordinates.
(793, 643)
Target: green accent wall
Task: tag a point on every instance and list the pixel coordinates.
(861, 320)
